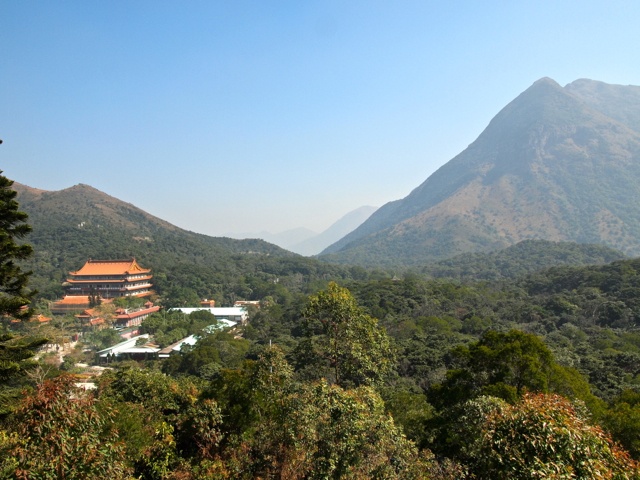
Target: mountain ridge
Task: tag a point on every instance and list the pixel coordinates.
(80, 222)
(539, 170)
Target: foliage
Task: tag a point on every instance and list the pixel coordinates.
(179, 426)
(102, 339)
(523, 258)
(61, 434)
(129, 302)
(170, 327)
(13, 279)
(15, 355)
(499, 364)
(409, 409)
(342, 342)
(546, 436)
(154, 390)
(622, 419)
(317, 431)
(219, 348)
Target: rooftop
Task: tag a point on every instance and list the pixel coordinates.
(74, 300)
(111, 267)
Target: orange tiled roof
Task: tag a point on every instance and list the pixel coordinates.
(122, 314)
(110, 267)
(74, 300)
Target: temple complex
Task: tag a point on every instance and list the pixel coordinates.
(110, 279)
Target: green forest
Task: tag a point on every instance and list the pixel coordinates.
(508, 366)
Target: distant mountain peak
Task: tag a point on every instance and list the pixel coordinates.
(546, 81)
(556, 163)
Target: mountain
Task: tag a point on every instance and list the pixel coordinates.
(346, 224)
(306, 242)
(83, 208)
(80, 222)
(559, 164)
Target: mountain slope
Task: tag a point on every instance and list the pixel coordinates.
(554, 164)
(80, 222)
(523, 258)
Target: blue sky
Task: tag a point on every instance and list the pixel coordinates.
(248, 116)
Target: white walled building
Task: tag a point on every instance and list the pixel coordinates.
(234, 314)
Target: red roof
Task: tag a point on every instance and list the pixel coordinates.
(111, 267)
(122, 314)
(89, 312)
(74, 300)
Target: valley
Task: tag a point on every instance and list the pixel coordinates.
(492, 313)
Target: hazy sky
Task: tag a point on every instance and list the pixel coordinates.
(243, 116)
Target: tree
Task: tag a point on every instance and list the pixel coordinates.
(163, 420)
(343, 344)
(319, 431)
(622, 419)
(500, 364)
(13, 294)
(59, 433)
(13, 280)
(546, 436)
(14, 355)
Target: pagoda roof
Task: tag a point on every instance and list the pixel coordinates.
(111, 267)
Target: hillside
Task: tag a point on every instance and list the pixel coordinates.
(80, 222)
(523, 258)
(559, 164)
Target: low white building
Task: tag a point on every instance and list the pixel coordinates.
(234, 314)
(130, 349)
(175, 347)
(193, 339)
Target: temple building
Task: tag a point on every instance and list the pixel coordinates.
(128, 317)
(70, 304)
(110, 279)
(123, 318)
